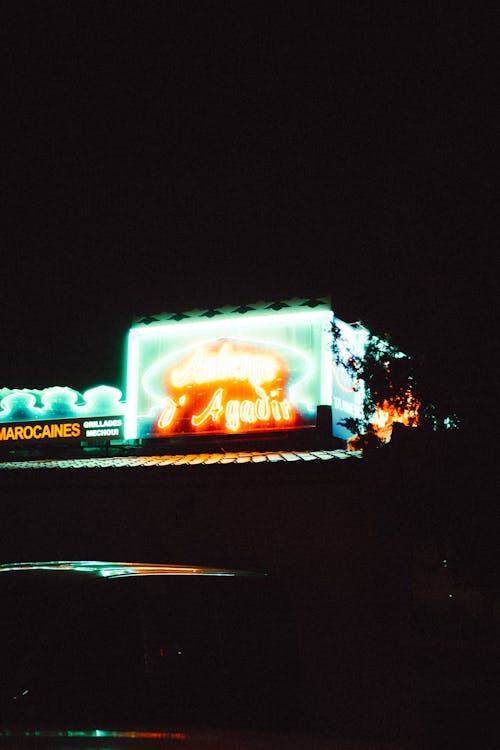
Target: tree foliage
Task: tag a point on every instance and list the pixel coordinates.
(394, 382)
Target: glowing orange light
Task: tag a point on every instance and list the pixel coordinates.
(213, 410)
(167, 416)
(387, 414)
(228, 387)
(226, 362)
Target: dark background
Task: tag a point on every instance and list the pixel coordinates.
(175, 156)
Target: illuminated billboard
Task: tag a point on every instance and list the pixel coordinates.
(238, 372)
(60, 413)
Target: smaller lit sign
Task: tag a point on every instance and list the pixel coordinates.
(61, 413)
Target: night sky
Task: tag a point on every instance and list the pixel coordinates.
(176, 156)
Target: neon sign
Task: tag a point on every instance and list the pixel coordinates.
(226, 362)
(60, 414)
(261, 371)
(229, 385)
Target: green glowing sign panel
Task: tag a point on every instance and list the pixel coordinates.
(261, 371)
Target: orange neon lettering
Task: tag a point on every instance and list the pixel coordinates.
(213, 409)
(285, 409)
(36, 430)
(237, 412)
(46, 431)
(247, 412)
(18, 432)
(275, 408)
(166, 417)
(262, 409)
(28, 432)
(232, 415)
(75, 429)
(241, 384)
(226, 364)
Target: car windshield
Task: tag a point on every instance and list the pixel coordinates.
(143, 651)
